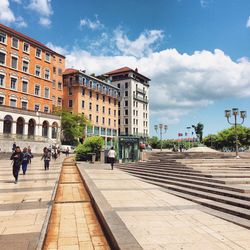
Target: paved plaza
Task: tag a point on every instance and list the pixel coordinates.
(151, 218)
(24, 206)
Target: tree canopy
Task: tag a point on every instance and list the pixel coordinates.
(199, 130)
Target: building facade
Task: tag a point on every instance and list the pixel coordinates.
(96, 99)
(133, 104)
(30, 85)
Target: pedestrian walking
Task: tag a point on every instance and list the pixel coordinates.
(111, 155)
(46, 157)
(67, 152)
(26, 159)
(13, 147)
(31, 155)
(17, 158)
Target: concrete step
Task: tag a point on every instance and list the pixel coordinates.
(185, 180)
(237, 215)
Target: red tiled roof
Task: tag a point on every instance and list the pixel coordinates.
(8, 29)
(70, 71)
(123, 69)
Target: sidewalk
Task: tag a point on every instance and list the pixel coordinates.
(144, 216)
(24, 206)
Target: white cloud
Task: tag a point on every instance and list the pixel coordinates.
(20, 22)
(44, 21)
(205, 3)
(93, 25)
(180, 82)
(44, 9)
(58, 49)
(6, 14)
(141, 46)
(248, 22)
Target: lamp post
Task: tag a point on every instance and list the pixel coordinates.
(188, 128)
(243, 115)
(162, 129)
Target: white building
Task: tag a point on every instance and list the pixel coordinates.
(133, 103)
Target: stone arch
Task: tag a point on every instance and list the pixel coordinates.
(45, 128)
(20, 126)
(54, 130)
(31, 127)
(7, 124)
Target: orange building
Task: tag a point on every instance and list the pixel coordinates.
(96, 99)
(30, 81)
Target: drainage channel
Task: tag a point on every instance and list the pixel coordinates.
(73, 223)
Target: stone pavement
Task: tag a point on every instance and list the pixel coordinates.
(24, 206)
(143, 216)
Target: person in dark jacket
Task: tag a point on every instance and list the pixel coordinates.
(17, 158)
(13, 147)
(26, 159)
(46, 157)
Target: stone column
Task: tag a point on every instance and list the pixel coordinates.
(1, 126)
(26, 126)
(50, 132)
(13, 128)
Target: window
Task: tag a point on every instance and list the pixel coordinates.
(109, 121)
(47, 56)
(126, 121)
(37, 107)
(37, 89)
(2, 58)
(109, 111)
(38, 53)
(109, 100)
(90, 106)
(14, 62)
(96, 119)
(126, 103)
(59, 85)
(118, 85)
(83, 104)
(59, 71)
(3, 37)
(69, 91)
(14, 42)
(38, 70)
(90, 117)
(97, 108)
(103, 98)
(46, 92)
(103, 120)
(47, 73)
(90, 94)
(24, 104)
(53, 84)
(1, 100)
(26, 47)
(83, 91)
(13, 102)
(24, 86)
(103, 109)
(59, 101)
(115, 102)
(70, 103)
(97, 96)
(115, 123)
(126, 85)
(126, 131)
(25, 66)
(13, 83)
(115, 112)
(54, 70)
(126, 93)
(2, 80)
(53, 100)
(126, 112)
(46, 109)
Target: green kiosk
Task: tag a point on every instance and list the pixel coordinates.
(129, 150)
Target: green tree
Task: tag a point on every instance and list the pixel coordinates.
(199, 130)
(72, 126)
(154, 142)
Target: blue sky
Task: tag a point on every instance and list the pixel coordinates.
(195, 51)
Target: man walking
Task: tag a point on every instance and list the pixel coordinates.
(26, 159)
(17, 158)
(111, 155)
(46, 157)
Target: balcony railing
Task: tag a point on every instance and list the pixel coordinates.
(141, 99)
(142, 91)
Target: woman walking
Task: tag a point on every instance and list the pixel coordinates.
(26, 160)
(46, 157)
(17, 158)
(111, 155)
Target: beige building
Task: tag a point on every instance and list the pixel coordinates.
(96, 99)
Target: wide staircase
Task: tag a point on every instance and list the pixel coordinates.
(214, 180)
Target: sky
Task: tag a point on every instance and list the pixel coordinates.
(196, 52)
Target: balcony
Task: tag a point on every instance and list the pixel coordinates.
(140, 99)
(142, 91)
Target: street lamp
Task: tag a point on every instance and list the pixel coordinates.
(162, 129)
(189, 137)
(243, 115)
